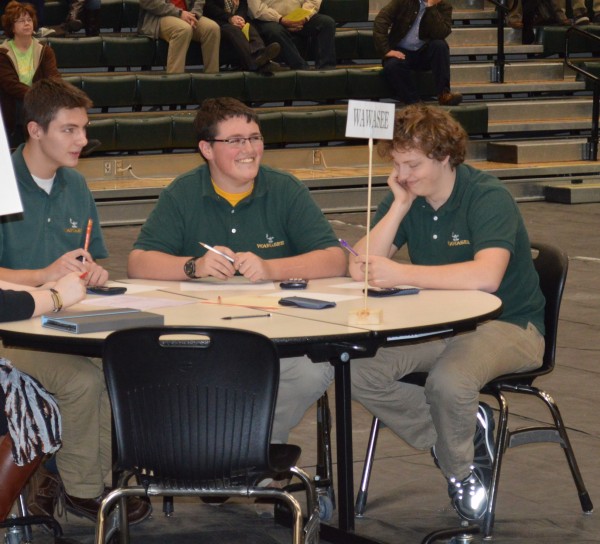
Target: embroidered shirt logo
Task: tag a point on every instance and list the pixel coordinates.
(270, 242)
(73, 226)
(456, 241)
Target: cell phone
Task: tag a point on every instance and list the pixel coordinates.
(310, 303)
(293, 284)
(104, 290)
(391, 291)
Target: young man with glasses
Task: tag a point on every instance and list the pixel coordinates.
(263, 223)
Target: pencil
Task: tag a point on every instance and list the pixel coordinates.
(210, 248)
(88, 235)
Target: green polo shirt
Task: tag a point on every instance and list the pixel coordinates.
(51, 224)
(479, 214)
(278, 219)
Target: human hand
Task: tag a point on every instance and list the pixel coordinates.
(94, 274)
(383, 272)
(252, 267)
(71, 289)
(238, 21)
(402, 195)
(189, 18)
(215, 265)
(71, 261)
(393, 54)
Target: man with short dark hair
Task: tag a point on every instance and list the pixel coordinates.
(40, 246)
(263, 223)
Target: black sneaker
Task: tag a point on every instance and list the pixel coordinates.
(469, 496)
(483, 459)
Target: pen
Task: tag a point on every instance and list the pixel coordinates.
(347, 246)
(245, 316)
(88, 234)
(210, 248)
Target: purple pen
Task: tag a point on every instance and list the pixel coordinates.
(348, 247)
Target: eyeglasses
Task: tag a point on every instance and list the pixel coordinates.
(238, 143)
(24, 20)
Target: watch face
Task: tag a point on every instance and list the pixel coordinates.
(190, 268)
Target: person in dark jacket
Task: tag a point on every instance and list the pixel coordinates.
(411, 35)
(22, 301)
(241, 35)
(23, 61)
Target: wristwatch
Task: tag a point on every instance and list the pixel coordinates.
(190, 268)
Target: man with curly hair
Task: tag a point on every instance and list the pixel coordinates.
(463, 231)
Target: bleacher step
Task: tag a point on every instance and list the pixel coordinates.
(537, 151)
(574, 193)
(513, 72)
(462, 36)
(536, 115)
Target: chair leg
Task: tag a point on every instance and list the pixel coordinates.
(584, 497)
(324, 470)
(361, 497)
(500, 447)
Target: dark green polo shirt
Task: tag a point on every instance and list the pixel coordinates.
(278, 219)
(51, 224)
(479, 214)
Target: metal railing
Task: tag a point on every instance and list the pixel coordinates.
(592, 145)
(502, 9)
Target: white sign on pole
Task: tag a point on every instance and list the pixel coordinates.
(10, 200)
(370, 120)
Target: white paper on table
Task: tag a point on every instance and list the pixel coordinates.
(139, 303)
(234, 284)
(133, 288)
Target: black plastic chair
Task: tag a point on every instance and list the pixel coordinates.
(551, 265)
(193, 410)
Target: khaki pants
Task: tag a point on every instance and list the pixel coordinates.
(301, 383)
(78, 386)
(444, 412)
(179, 34)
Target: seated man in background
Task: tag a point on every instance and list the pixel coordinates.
(463, 230)
(264, 223)
(241, 35)
(273, 21)
(39, 247)
(411, 35)
(177, 24)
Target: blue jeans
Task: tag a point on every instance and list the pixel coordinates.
(320, 30)
(434, 56)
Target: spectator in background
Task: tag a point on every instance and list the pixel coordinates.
(580, 11)
(77, 18)
(23, 61)
(177, 24)
(273, 21)
(241, 35)
(411, 35)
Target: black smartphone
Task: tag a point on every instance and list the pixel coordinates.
(104, 290)
(294, 284)
(310, 303)
(391, 291)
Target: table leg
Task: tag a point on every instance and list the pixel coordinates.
(344, 532)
